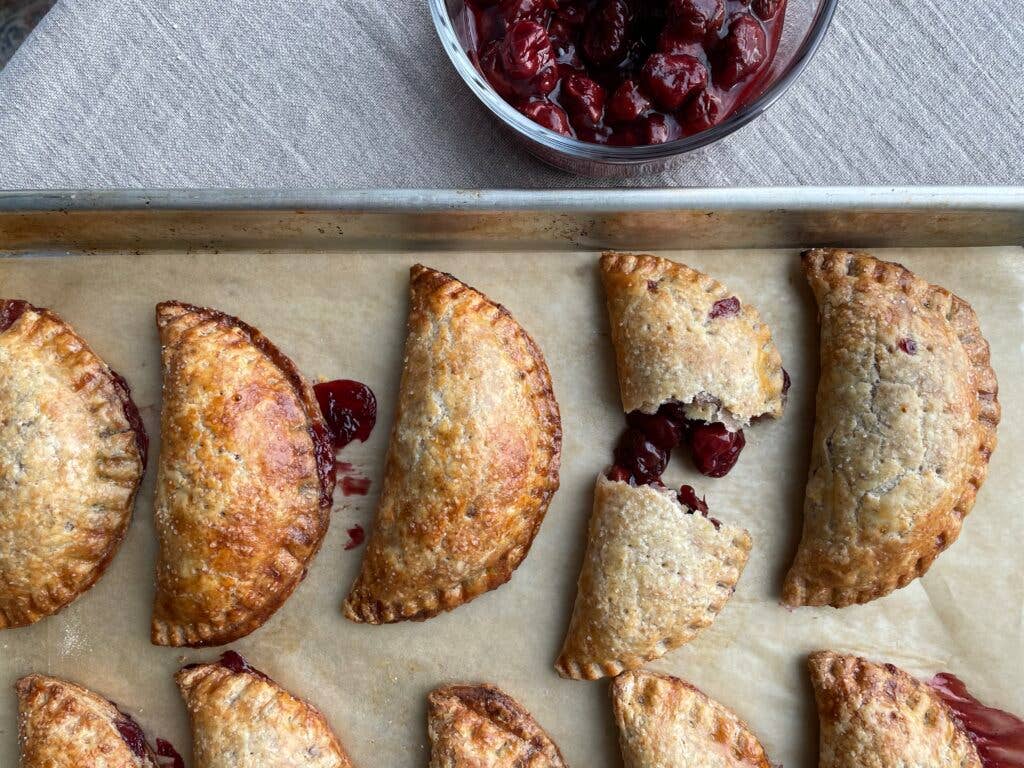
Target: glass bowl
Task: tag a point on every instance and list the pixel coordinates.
(806, 23)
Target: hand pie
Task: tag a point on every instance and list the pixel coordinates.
(665, 722)
(72, 455)
(480, 726)
(906, 422)
(654, 575)
(245, 479)
(689, 350)
(243, 719)
(62, 725)
(473, 460)
(878, 716)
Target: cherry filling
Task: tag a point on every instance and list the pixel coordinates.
(715, 449)
(626, 72)
(349, 408)
(235, 662)
(688, 498)
(166, 749)
(131, 413)
(909, 346)
(998, 735)
(10, 311)
(132, 735)
(356, 536)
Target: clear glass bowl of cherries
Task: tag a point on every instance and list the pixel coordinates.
(614, 87)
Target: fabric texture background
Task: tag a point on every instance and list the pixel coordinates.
(358, 93)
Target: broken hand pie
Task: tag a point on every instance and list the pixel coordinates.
(243, 719)
(665, 722)
(480, 726)
(72, 455)
(62, 725)
(878, 716)
(690, 351)
(245, 478)
(654, 574)
(473, 458)
(906, 422)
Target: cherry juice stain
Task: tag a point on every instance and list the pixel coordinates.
(998, 735)
(356, 536)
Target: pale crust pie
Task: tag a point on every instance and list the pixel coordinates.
(665, 722)
(245, 478)
(72, 455)
(473, 459)
(671, 344)
(878, 716)
(62, 725)
(243, 719)
(654, 575)
(906, 421)
(480, 726)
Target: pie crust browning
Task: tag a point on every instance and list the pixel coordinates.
(245, 720)
(667, 346)
(907, 411)
(71, 463)
(653, 577)
(243, 489)
(62, 725)
(665, 722)
(472, 462)
(878, 716)
(480, 726)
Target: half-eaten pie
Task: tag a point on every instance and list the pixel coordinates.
(906, 421)
(657, 571)
(480, 726)
(473, 459)
(245, 479)
(62, 725)
(72, 455)
(665, 722)
(243, 719)
(878, 716)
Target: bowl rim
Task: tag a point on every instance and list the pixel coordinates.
(613, 155)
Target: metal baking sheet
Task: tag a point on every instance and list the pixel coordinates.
(325, 276)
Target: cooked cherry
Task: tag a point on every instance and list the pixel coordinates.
(676, 412)
(715, 449)
(744, 51)
(605, 34)
(349, 408)
(547, 114)
(696, 18)
(671, 78)
(998, 735)
(583, 98)
(644, 460)
(658, 428)
(702, 111)
(671, 41)
(688, 498)
(658, 129)
(526, 50)
(725, 308)
(628, 103)
(529, 10)
(619, 474)
(767, 9)
(909, 346)
(166, 749)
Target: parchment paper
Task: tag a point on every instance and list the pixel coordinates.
(343, 315)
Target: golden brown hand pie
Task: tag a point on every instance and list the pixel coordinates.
(906, 422)
(878, 716)
(62, 725)
(245, 479)
(72, 455)
(473, 459)
(681, 336)
(665, 722)
(243, 719)
(653, 576)
(480, 726)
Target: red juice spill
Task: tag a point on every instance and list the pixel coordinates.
(353, 485)
(356, 536)
(349, 408)
(998, 735)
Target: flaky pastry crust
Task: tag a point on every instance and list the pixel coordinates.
(245, 478)
(668, 346)
(653, 577)
(665, 722)
(62, 725)
(71, 460)
(907, 411)
(246, 720)
(473, 459)
(480, 726)
(878, 716)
